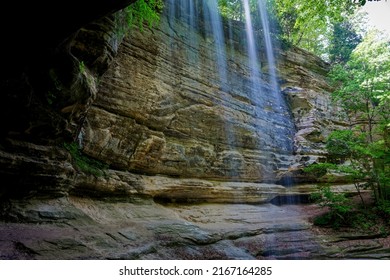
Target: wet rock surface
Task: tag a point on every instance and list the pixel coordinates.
(82, 228)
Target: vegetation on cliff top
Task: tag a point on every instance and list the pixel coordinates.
(144, 11)
(137, 15)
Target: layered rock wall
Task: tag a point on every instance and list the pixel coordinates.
(308, 93)
(162, 109)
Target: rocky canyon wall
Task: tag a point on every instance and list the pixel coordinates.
(155, 111)
(162, 109)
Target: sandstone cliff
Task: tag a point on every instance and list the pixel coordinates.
(161, 110)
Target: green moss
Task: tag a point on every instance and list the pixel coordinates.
(81, 67)
(84, 163)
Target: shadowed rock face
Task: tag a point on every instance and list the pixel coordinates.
(41, 64)
(44, 105)
(44, 98)
(35, 30)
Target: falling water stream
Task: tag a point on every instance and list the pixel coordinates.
(252, 55)
(275, 128)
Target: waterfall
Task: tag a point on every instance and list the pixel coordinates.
(269, 50)
(272, 89)
(273, 125)
(213, 17)
(210, 8)
(281, 105)
(251, 44)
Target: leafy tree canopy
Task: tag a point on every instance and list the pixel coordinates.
(308, 24)
(363, 93)
(363, 83)
(344, 40)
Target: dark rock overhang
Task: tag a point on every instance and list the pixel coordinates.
(34, 27)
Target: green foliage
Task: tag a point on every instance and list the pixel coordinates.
(50, 97)
(232, 9)
(363, 82)
(362, 152)
(85, 163)
(81, 67)
(343, 213)
(383, 209)
(366, 162)
(337, 202)
(363, 93)
(343, 42)
(144, 11)
(345, 145)
(363, 220)
(308, 24)
(339, 207)
(319, 169)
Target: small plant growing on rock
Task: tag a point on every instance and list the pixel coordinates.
(84, 163)
(81, 66)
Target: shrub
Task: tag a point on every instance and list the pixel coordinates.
(339, 207)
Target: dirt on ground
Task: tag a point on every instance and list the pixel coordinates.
(368, 237)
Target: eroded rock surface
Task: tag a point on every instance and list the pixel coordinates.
(82, 228)
(89, 229)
